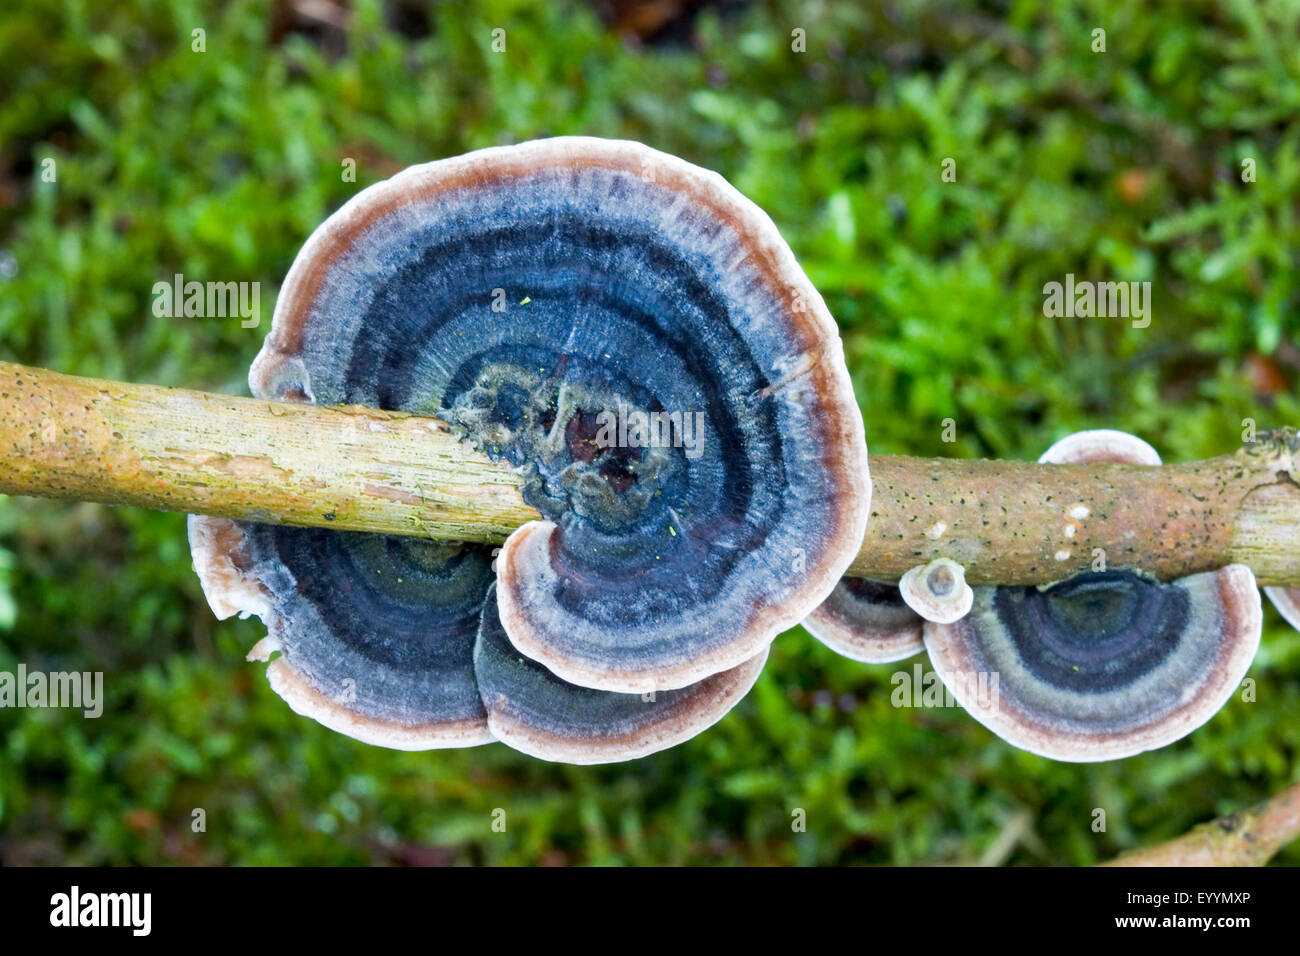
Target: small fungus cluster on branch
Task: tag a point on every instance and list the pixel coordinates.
(1100, 665)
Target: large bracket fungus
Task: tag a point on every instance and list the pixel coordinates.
(633, 336)
(1104, 664)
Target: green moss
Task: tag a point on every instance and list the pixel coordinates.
(1123, 165)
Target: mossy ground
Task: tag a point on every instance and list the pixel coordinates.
(1122, 165)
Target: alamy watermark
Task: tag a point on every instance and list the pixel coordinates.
(211, 300)
(1103, 300)
(133, 911)
(638, 429)
(79, 690)
(915, 689)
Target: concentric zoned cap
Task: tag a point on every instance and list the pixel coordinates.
(1104, 664)
(634, 336)
(415, 657)
(375, 634)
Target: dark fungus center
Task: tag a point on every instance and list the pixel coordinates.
(1097, 629)
(599, 450)
(940, 581)
(589, 443)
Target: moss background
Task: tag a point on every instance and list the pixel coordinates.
(1123, 165)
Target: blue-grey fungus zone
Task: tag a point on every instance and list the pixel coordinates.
(867, 621)
(535, 712)
(519, 293)
(1102, 665)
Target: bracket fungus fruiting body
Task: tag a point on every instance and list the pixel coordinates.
(635, 338)
(375, 633)
(412, 656)
(878, 623)
(1100, 444)
(1102, 665)
(937, 591)
(867, 621)
(1106, 663)
(1287, 602)
(535, 712)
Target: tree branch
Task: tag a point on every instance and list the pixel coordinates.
(1246, 838)
(367, 470)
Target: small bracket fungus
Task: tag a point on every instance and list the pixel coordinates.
(636, 339)
(1287, 602)
(867, 621)
(1104, 664)
(1100, 444)
(937, 591)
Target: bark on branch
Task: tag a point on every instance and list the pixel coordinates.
(1247, 838)
(367, 470)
